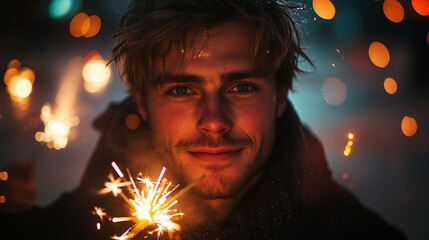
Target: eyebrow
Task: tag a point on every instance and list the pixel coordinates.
(225, 77)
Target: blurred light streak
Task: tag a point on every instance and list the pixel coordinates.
(59, 120)
(132, 121)
(421, 7)
(379, 54)
(393, 10)
(94, 23)
(324, 9)
(334, 91)
(390, 85)
(95, 72)
(19, 84)
(349, 145)
(61, 8)
(409, 126)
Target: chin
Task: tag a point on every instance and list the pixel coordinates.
(217, 186)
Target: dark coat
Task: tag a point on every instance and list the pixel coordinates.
(296, 198)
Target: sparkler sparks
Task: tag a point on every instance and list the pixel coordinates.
(152, 203)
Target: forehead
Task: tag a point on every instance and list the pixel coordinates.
(227, 45)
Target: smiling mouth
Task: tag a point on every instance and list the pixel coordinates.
(214, 156)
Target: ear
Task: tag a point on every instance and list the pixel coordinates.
(281, 102)
(141, 106)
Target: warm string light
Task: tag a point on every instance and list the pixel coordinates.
(19, 84)
(349, 145)
(152, 203)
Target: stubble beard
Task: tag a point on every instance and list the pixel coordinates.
(216, 185)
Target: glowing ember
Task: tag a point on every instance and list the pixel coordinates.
(348, 148)
(409, 126)
(379, 54)
(152, 203)
(56, 130)
(2, 199)
(99, 211)
(324, 9)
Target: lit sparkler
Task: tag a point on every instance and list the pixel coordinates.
(152, 203)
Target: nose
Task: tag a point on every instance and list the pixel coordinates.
(214, 116)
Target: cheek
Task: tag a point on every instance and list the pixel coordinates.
(256, 120)
(169, 121)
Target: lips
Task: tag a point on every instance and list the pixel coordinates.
(215, 155)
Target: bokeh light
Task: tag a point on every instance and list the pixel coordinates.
(20, 87)
(59, 8)
(132, 121)
(62, 8)
(421, 7)
(393, 10)
(324, 9)
(77, 26)
(56, 130)
(3, 176)
(379, 54)
(95, 73)
(94, 23)
(345, 176)
(19, 84)
(334, 91)
(390, 85)
(409, 126)
(83, 25)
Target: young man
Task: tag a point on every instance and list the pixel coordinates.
(210, 80)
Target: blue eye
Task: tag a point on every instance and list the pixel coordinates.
(242, 88)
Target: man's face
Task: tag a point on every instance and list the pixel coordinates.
(215, 114)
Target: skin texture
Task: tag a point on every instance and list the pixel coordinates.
(215, 114)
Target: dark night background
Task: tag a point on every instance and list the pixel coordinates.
(386, 169)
